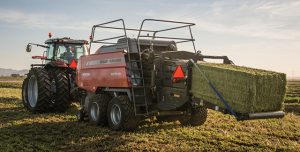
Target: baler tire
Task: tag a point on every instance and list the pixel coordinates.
(61, 98)
(43, 102)
(101, 101)
(24, 93)
(128, 120)
(197, 117)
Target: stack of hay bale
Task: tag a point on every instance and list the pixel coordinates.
(247, 90)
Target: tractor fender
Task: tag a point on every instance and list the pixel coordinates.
(59, 64)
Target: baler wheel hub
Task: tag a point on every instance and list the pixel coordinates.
(94, 111)
(116, 114)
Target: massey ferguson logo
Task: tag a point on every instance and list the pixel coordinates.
(104, 61)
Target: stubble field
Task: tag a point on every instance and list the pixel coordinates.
(23, 131)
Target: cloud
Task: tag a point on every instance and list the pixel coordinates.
(260, 19)
(265, 19)
(289, 8)
(39, 20)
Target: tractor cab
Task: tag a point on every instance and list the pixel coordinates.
(65, 49)
(60, 51)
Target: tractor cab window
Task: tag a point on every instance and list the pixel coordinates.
(79, 51)
(68, 52)
(49, 52)
(65, 53)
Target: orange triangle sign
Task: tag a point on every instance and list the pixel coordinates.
(73, 64)
(178, 73)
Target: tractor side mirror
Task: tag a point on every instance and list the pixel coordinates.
(28, 48)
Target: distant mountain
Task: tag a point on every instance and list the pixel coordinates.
(8, 72)
(294, 78)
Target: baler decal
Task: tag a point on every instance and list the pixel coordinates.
(116, 74)
(85, 74)
(105, 61)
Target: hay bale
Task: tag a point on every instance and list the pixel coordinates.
(247, 90)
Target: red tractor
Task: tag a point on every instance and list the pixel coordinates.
(48, 86)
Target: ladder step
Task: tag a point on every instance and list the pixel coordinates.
(137, 78)
(140, 114)
(139, 95)
(140, 105)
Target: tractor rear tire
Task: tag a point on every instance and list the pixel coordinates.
(24, 93)
(121, 115)
(197, 117)
(97, 109)
(61, 97)
(37, 91)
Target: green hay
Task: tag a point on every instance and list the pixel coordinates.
(247, 90)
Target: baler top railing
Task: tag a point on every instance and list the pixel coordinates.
(182, 25)
(106, 39)
(140, 30)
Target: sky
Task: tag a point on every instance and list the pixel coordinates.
(262, 34)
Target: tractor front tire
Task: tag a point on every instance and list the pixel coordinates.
(97, 109)
(196, 117)
(121, 115)
(37, 91)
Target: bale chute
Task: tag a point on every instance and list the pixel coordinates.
(246, 90)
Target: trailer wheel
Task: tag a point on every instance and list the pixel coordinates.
(38, 91)
(197, 117)
(121, 114)
(97, 109)
(24, 93)
(60, 89)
